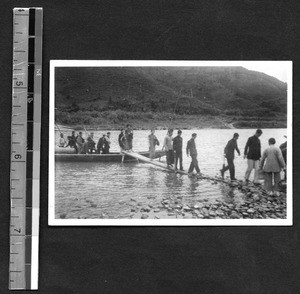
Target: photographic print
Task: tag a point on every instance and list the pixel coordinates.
(170, 143)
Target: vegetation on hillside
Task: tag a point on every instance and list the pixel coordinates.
(93, 96)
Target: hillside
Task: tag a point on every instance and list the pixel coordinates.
(234, 94)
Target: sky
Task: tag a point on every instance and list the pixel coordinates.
(277, 69)
(282, 70)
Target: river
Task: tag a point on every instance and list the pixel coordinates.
(115, 190)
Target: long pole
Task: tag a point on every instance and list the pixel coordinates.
(58, 128)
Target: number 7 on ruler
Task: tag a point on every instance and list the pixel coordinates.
(25, 148)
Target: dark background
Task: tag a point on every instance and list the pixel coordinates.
(156, 259)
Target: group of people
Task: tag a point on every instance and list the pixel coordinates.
(173, 148)
(89, 145)
(271, 162)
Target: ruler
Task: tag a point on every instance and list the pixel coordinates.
(25, 148)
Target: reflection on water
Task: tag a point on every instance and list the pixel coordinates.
(112, 190)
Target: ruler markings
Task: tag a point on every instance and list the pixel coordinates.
(26, 127)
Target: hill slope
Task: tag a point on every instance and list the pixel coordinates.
(86, 93)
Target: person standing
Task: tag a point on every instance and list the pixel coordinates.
(253, 153)
(80, 143)
(271, 163)
(283, 148)
(153, 141)
(91, 143)
(128, 137)
(229, 154)
(100, 144)
(107, 142)
(177, 147)
(191, 150)
(168, 146)
(121, 140)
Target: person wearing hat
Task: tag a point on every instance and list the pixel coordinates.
(272, 163)
(229, 154)
(177, 147)
(191, 150)
(253, 153)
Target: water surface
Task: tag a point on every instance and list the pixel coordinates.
(115, 190)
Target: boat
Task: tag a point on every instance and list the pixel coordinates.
(69, 155)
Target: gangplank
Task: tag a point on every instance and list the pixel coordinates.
(153, 162)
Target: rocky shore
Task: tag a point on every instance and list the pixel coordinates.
(257, 205)
(252, 202)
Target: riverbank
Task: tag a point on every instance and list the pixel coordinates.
(257, 205)
(186, 122)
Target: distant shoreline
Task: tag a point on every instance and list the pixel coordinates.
(185, 123)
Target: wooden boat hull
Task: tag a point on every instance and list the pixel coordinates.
(111, 157)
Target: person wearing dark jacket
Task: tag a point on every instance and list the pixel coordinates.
(192, 151)
(106, 143)
(91, 143)
(72, 141)
(253, 153)
(100, 145)
(121, 140)
(80, 143)
(229, 154)
(177, 147)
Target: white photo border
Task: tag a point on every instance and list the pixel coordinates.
(52, 221)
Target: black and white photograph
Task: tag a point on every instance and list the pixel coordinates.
(170, 143)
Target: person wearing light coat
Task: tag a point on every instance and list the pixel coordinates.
(272, 163)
